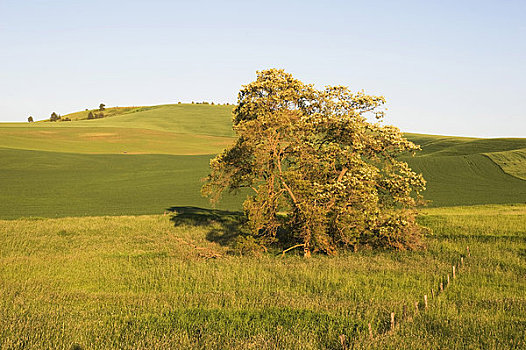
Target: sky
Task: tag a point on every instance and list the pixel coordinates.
(445, 67)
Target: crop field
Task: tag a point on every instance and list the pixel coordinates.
(466, 171)
(108, 140)
(144, 160)
(512, 162)
(67, 184)
(133, 282)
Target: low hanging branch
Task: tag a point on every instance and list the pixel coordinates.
(289, 249)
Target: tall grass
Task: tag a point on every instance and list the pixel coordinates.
(143, 282)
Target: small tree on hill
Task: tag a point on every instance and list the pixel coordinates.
(101, 107)
(313, 156)
(54, 117)
(30, 119)
(90, 115)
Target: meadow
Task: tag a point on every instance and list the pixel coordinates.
(148, 282)
(88, 260)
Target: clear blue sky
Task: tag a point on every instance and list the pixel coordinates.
(445, 67)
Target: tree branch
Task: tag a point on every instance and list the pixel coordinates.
(293, 247)
(342, 173)
(284, 183)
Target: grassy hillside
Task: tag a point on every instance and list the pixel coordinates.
(108, 112)
(200, 119)
(435, 145)
(464, 171)
(136, 161)
(512, 162)
(109, 140)
(192, 119)
(168, 129)
(140, 160)
(467, 179)
(508, 153)
(145, 282)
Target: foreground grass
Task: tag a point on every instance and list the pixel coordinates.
(145, 282)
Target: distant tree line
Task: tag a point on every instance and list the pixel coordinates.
(208, 103)
(98, 115)
(92, 115)
(57, 118)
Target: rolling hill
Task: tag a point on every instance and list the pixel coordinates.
(143, 160)
(466, 171)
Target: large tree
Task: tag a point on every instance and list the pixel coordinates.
(318, 168)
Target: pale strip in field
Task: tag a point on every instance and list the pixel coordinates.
(512, 162)
(111, 140)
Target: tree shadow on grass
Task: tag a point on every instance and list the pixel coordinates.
(223, 226)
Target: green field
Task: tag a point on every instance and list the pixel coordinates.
(467, 171)
(512, 162)
(110, 140)
(145, 282)
(192, 119)
(87, 258)
(63, 184)
(143, 160)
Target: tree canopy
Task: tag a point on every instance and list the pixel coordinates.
(318, 168)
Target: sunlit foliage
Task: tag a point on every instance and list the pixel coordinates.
(318, 168)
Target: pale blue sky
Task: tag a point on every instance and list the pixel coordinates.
(445, 67)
